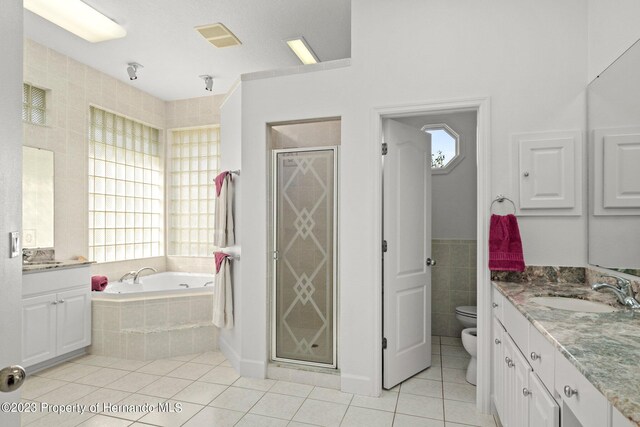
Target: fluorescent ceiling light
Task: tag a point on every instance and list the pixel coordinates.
(302, 50)
(78, 18)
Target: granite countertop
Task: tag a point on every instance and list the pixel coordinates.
(46, 265)
(604, 347)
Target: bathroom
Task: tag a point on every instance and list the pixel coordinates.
(499, 61)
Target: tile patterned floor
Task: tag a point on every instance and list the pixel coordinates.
(210, 393)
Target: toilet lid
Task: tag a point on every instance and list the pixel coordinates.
(467, 310)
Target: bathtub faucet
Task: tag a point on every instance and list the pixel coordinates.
(136, 277)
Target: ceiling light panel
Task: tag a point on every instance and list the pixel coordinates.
(78, 18)
(302, 50)
(218, 35)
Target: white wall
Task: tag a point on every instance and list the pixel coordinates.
(507, 50)
(10, 191)
(453, 195)
(613, 27)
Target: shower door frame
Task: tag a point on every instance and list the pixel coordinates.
(274, 248)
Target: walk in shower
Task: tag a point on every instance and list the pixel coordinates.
(303, 308)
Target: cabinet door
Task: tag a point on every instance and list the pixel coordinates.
(498, 367)
(38, 329)
(74, 320)
(520, 377)
(508, 382)
(543, 410)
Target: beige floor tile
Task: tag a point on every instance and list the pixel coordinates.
(466, 413)
(54, 370)
(69, 371)
(320, 413)
(33, 413)
(402, 420)
(277, 406)
(255, 383)
(37, 386)
(215, 417)
(140, 400)
(160, 367)
(237, 399)
(422, 387)
(450, 375)
(130, 365)
(102, 421)
(133, 381)
(330, 395)
(462, 392)
(291, 389)
(253, 420)
(451, 341)
(432, 373)
(435, 339)
(455, 362)
(185, 358)
(69, 419)
(165, 387)
(102, 377)
(190, 371)
(101, 397)
(227, 364)
(386, 402)
(420, 406)
(220, 375)
(448, 350)
(94, 360)
(436, 361)
(363, 417)
(435, 349)
(299, 424)
(209, 358)
(179, 414)
(200, 392)
(69, 392)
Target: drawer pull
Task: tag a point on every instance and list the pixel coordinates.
(534, 356)
(507, 360)
(497, 341)
(61, 301)
(494, 305)
(526, 392)
(54, 302)
(570, 392)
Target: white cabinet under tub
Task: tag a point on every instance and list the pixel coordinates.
(56, 313)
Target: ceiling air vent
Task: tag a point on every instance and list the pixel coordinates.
(218, 35)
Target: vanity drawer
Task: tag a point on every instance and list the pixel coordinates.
(517, 325)
(541, 356)
(587, 404)
(497, 303)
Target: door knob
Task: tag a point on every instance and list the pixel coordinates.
(534, 356)
(11, 378)
(431, 262)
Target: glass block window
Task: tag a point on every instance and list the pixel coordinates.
(194, 158)
(125, 189)
(34, 104)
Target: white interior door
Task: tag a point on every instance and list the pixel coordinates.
(407, 231)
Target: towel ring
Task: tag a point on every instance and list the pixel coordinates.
(500, 198)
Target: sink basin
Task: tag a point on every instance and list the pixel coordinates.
(574, 304)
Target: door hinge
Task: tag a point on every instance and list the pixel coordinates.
(384, 246)
(385, 148)
(384, 343)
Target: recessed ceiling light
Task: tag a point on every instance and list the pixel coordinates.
(78, 18)
(218, 35)
(302, 50)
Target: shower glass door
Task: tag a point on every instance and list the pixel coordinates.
(304, 289)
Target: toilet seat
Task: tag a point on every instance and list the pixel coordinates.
(470, 311)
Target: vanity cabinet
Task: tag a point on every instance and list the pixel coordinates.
(56, 314)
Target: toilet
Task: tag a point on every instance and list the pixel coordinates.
(467, 316)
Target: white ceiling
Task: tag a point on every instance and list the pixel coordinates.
(161, 37)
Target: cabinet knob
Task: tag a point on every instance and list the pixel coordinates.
(54, 302)
(526, 392)
(61, 301)
(497, 341)
(570, 392)
(526, 174)
(534, 356)
(494, 305)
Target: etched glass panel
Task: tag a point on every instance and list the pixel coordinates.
(304, 291)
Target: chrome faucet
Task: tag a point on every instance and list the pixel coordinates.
(622, 290)
(136, 276)
(127, 275)
(209, 283)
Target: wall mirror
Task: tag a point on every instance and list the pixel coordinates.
(37, 198)
(614, 165)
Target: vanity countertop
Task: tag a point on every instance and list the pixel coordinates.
(37, 268)
(604, 347)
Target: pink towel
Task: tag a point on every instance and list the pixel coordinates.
(505, 245)
(98, 283)
(220, 257)
(219, 180)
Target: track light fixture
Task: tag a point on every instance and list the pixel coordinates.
(132, 70)
(208, 82)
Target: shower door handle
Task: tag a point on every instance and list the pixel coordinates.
(276, 255)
